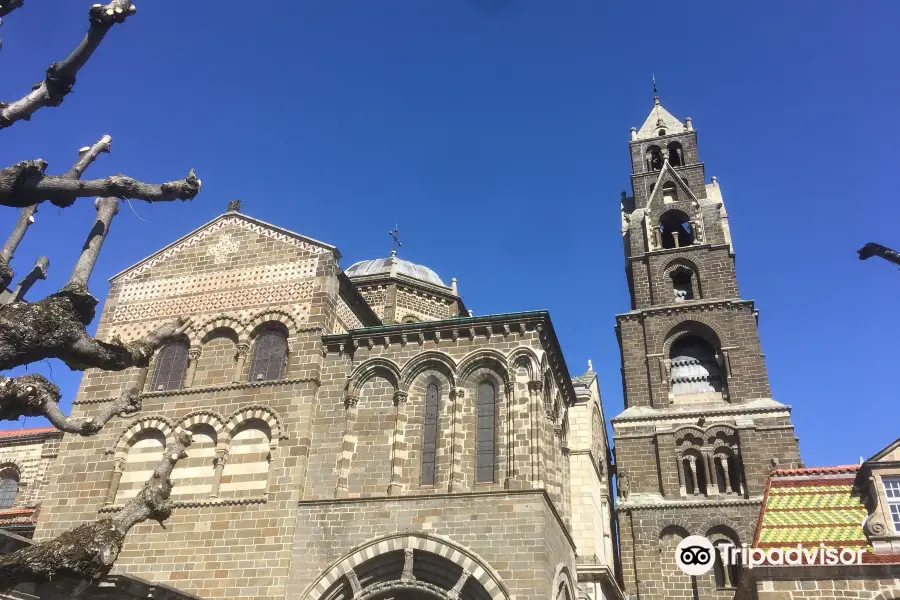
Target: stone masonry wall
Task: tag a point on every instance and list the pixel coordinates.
(232, 277)
(516, 534)
(29, 456)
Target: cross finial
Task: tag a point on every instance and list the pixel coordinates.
(395, 234)
(590, 365)
(655, 92)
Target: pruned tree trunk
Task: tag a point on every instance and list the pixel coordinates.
(87, 552)
(872, 249)
(55, 327)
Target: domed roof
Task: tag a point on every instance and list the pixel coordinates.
(382, 266)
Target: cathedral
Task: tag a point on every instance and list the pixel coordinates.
(359, 435)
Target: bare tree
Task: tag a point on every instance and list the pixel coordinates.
(55, 327)
(872, 249)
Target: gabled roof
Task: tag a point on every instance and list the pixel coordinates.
(231, 217)
(681, 183)
(886, 451)
(658, 118)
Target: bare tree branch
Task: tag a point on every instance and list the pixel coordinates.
(33, 395)
(55, 328)
(872, 249)
(88, 155)
(60, 76)
(10, 5)
(107, 208)
(25, 220)
(38, 271)
(24, 183)
(88, 551)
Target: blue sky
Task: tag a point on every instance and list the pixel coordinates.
(494, 132)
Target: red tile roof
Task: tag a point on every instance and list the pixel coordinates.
(31, 431)
(816, 470)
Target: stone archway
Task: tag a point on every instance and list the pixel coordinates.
(409, 567)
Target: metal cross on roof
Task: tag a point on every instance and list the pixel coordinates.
(397, 242)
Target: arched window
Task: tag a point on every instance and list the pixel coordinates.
(9, 487)
(682, 284)
(675, 230)
(485, 432)
(726, 576)
(171, 366)
(670, 192)
(409, 319)
(695, 367)
(144, 451)
(676, 154)
(653, 158)
(246, 474)
(269, 356)
(429, 435)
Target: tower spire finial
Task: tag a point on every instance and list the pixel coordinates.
(395, 235)
(655, 91)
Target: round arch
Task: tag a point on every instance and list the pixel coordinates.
(489, 358)
(430, 360)
(374, 367)
(448, 550)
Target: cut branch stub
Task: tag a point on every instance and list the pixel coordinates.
(60, 76)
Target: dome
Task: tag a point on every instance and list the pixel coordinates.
(382, 266)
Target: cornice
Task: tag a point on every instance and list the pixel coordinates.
(683, 412)
(201, 503)
(209, 388)
(448, 331)
(663, 505)
(690, 306)
(664, 251)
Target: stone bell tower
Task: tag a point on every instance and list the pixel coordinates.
(700, 431)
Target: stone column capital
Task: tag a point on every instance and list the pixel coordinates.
(120, 462)
(535, 386)
(351, 400)
(194, 352)
(242, 349)
(400, 397)
(222, 456)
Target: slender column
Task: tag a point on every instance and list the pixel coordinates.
(270, 472)
(681, 485)
(221, 460)
(510, 439)
(456, 479)
(398, 447)
(193, 356)
(242, 350)
(114, 480)
(534, 391)
(355, 586)
(712, 482)
(457, 589)
(729, 476)
(348, 446)
(140, 381)
(692, 461)
(408, 573)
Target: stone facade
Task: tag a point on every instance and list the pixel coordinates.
(319, 466)
(25, 456)
(700, 431)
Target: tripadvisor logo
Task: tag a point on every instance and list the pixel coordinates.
(695, 555)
